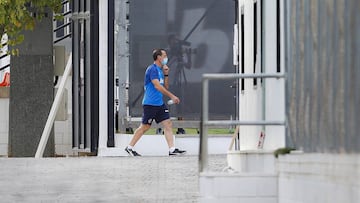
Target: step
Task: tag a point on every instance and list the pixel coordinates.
(238, 187)
(155, 145)
(252, 161)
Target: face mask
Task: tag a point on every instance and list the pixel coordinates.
(164, 61)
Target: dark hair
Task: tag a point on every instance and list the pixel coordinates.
(157, 52)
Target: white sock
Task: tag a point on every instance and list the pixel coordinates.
(129, 147)
(172, 149)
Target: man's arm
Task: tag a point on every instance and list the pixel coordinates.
(166, 82)
(165, 70)
(164, 91)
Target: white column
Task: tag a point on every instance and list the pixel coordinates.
(103, 74)
(240, 8)
(250, 99)
(275, 88)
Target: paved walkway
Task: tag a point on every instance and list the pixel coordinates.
(96, 179)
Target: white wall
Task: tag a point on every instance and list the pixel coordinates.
(4, 102)
(63, 137)
(4, 126)
(63, 129)
(155, 145)
(315, 178)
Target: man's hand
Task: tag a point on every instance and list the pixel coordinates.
(175, 99)
(165, 70)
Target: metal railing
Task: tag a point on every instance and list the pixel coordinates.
(63, 30)
(205, 122)
(54, 108)
(4, 56)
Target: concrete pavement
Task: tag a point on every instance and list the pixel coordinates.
(102, 179)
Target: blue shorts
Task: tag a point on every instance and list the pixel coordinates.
(157, 113)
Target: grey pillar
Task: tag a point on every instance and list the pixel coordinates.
(31, 91)
(121, 53)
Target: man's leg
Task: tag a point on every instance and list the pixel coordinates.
(138, 133)
(167, 124)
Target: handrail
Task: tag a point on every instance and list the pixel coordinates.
(237, 122)
(67, 13)
(4, 56)
(4, 67)
(227, 76)
(62, 26)
(205, 122)
(54, 108)
(64, 14)
(4, 53)
(65, 24)
(62, 38)
(65, 2)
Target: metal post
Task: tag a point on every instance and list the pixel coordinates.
(88, 80)
(204, 129)
(82, 85)
(94, 76)
(111, 78)
(75, 30)
(205, 123)
(287, 62)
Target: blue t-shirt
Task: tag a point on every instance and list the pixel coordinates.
(152, 96)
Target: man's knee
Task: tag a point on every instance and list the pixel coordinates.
(144, 127)
(167, 124)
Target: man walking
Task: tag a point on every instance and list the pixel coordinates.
(156, 84)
